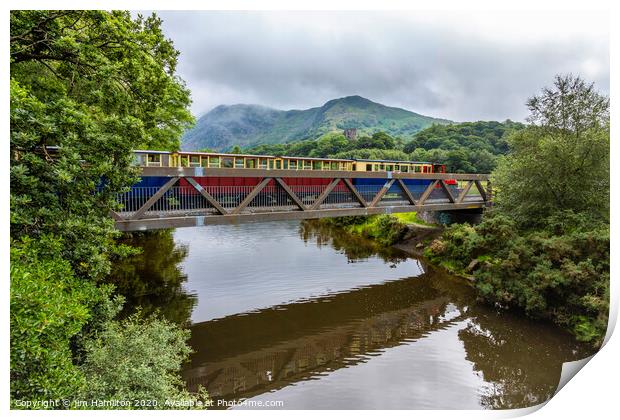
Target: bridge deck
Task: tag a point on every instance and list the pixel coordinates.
(190, 203)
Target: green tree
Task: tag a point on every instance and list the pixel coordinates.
(545, 246)
(49, 307)
(98, 85)
(145, 374)
(380, 154)
(87, 87)
(561, 161)
(464, 147)
(379, 140)
(329, 144)
(236, 149)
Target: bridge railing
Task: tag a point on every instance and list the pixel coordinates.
(186, 199)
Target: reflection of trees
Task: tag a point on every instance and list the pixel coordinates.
(153, 279)
(521, 358)
(353, 246)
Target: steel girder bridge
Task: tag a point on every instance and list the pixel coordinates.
(208, 196)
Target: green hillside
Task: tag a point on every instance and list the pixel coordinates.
(249, 125)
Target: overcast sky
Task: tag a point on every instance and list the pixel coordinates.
(460, 65)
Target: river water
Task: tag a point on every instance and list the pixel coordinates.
(304, 316)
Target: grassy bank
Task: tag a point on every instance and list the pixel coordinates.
(385, 229)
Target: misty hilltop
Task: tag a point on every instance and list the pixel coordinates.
(249, 125)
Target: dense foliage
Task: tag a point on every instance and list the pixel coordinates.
(96, 84)
(561, 162)
(148, 375)
(471, 147)
(49, 306)
(545, 248)
(247, 125)
(464, 148)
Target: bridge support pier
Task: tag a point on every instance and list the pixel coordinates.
(448, 217)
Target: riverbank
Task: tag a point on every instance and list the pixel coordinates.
(530, 273)
(405, 231)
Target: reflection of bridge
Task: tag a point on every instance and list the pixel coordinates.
(181, 197)
(244, 356)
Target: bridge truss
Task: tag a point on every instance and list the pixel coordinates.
(186, 199)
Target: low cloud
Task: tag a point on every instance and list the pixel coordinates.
(461, 66)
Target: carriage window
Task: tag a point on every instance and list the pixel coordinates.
(404, 168)
(389, 168)
(184, 161)
(317, 165)
(271, 163)
(382, 167)
(250, 163)
(334, 166)
(278, 163)
(214, 162)
(307, 165)
(227, 162)
(194, 161)
(154, 160)
(140, 159)
(238, 162)
(292, 164)
(285, 164)
(262, 163)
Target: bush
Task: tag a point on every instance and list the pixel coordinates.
(138, 359)
(49, 306)
(560, 273)
(65, 345)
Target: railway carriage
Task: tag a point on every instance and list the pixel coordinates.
(307, 188)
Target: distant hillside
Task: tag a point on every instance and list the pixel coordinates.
(246, 125)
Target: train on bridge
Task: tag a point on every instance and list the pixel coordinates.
(178, 189)
(154, 158)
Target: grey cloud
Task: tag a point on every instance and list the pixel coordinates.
(449, 66)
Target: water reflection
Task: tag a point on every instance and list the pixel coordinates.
(288, 343)
(153, 280)
(355, 248)
(395, 335)
(520, 359)
(250, 267)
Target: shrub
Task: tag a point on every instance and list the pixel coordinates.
(49, 306)
(560, 273)
(137, 359)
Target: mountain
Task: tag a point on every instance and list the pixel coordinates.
(248, 125)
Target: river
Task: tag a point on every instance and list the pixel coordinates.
(305, 316)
